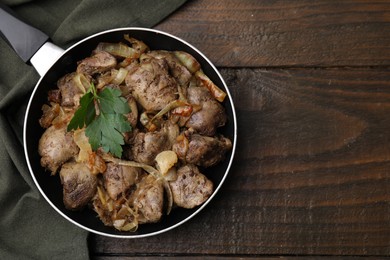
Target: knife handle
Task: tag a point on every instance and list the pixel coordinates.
(23, 38)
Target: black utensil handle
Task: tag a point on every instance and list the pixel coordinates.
(23, 38)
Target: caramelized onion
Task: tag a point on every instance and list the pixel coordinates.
(49, 113)
(215, 91)
(188, 61)
(179, 107)
(118, 49)
(120, 76)
(62, 118)
(149, 169)
(165, 161)
(82, 142)
(82, 82)
(174, 104)
(126, 219)
(140, 46)
(93, 161)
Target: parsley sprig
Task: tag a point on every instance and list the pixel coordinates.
(104, 127)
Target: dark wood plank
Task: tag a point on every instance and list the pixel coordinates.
(271, 33)
(311, 174)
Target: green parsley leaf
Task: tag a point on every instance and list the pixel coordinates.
(85, 114)
(111, 102)
(106, 132)
(103, 130)
(119, 121)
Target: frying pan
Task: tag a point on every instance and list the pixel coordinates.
(52, 63)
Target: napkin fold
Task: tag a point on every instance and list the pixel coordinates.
(29, 227)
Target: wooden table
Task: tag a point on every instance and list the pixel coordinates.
(311, 177)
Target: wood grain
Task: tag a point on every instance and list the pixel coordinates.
(311, 174)
(270, 33)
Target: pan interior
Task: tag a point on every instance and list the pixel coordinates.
(50, 186)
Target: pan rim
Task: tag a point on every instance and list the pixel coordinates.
(201, 207)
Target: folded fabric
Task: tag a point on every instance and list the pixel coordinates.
(29, 227)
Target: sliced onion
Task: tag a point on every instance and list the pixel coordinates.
(64, 116)
(187, 60)
(131, 227)
(150, 123)
(121, 225)
(121, 220)
(120, 76)
(166, 160)
(114, 76)
(144, 166)
(171, 174)
(101, 196)
(105, 79)
(169, 193)
(82, 82)
(96, 164)
(182, 111)
(146, 121)
(118, 49)
(215, 91)
(49, 114)
(86, 155)
(110, 205)
(140, 46)
(82, 142)
(174, 104)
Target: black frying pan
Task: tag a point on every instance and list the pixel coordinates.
(50, 186)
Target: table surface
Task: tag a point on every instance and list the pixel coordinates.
(311, 176)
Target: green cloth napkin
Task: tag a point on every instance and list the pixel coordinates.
(29, 227)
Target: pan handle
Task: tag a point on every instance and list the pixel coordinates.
(28, 42)
(23, 38)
